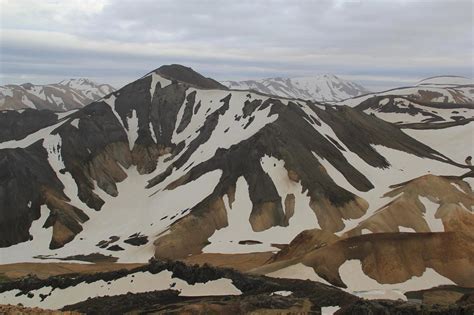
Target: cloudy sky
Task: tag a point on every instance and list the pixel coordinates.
(379, 43)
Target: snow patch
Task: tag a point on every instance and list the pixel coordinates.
(282, 293)
(431, 208)
(329, 310)
(75, 123)
(155, 79)
(132, 133)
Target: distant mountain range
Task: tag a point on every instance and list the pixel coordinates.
(62, 96)
(324, 88)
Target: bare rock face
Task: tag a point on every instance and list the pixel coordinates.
(331, 217)
(15, 125)
(305, 242)
(24, 174)
(190, 234)
(65, 219)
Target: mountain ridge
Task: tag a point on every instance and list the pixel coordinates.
(63, 96)
(323, 88)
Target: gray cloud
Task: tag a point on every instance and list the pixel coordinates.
(389, 42)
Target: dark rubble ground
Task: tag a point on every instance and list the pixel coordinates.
(307, 297)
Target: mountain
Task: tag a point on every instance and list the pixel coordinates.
(324, 88)
(174, 166)
(440, 89)
(62, 96)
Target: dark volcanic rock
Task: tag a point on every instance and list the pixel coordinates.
(93, 258)
(15, 125)
(188, 75)
(137, 239)
(25, 175)
(115, 248)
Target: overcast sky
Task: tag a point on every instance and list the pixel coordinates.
(379, 43)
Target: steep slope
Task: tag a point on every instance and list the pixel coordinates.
(322, 88)
(171, 169)
(62, 96)
(441, 90)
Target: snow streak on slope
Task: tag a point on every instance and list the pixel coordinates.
(155, 79)
(226, 240)
(30, 139)
(403, 167)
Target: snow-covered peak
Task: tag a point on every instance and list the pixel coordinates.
(325, 87)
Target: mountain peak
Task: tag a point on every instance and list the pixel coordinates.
(188, 75)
